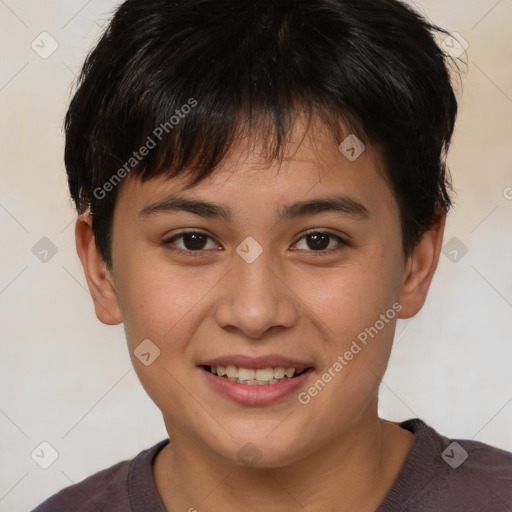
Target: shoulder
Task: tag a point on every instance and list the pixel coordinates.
(107, 490)
(444, 474)
(106, 486)
(474, 458)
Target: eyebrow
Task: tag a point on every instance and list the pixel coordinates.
(343, 205)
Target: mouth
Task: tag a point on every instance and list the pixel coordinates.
(255, 376)
(255, 380)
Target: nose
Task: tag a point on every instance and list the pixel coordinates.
(256, 299)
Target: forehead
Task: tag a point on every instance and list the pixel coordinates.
(314, 164)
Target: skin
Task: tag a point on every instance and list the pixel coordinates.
(334, 453)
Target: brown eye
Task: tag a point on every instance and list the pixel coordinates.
(319, 241)
(194, 241)
(191, 242)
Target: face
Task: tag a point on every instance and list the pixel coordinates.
(272, 284)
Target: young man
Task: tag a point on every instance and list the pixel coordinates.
(263, 191)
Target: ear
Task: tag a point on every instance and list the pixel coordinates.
(99, 278)
(420, 268)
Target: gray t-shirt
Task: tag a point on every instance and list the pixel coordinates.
(438, 475)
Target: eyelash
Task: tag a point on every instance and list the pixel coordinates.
(204, 252)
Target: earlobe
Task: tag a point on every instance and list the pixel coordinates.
(98, 276)
(420, 268)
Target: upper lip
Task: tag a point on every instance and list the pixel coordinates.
(267, 361)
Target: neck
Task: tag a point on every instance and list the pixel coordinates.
(354, 472)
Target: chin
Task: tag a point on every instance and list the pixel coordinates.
(260, 451)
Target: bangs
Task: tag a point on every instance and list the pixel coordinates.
(192, 98)
(193, 148)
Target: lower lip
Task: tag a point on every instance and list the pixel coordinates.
(255, 394)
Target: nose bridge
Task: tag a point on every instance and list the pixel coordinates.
(255, 298)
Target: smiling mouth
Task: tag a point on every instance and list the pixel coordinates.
(256, 377)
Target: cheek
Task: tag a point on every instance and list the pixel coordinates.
(351, 298)
(157, 298)
(356, 342)
(162, 303)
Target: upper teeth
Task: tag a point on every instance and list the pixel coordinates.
(249, 374)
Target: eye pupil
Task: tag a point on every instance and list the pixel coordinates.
(320, 240)
(194, 241)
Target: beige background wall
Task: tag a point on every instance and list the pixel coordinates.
(67, 379)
